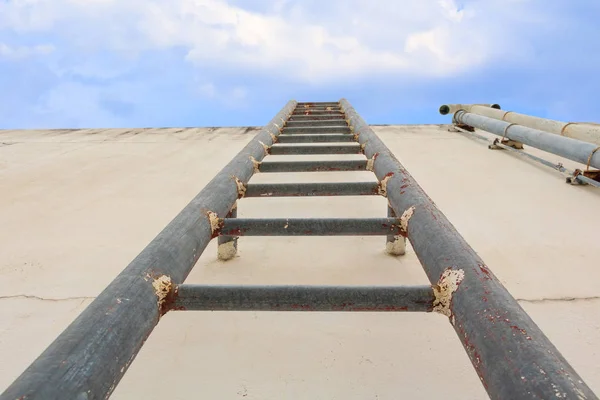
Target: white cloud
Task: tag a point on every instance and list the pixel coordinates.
(232, 97)
(310, 41)
(19, 52)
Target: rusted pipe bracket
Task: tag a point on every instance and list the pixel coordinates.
(465, 127)
(506, 142)
(591, 174)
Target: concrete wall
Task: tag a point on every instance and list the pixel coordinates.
(77, 206)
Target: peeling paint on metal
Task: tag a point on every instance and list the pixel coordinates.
(215, 222)
(162, 287)
(371, 162)
(267, 148)
(226, 251)
(362, 146)
(273, 137)
(241, 188)
(445, 288)
(256, 164)
(382, 189)
(406, 216)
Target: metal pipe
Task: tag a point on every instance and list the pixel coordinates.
(303, 298)
(573, 149)
(318, 103)
(512, 356)
(313, 166)
(327, 138)
(588, 132)
(313, 111)
(337, 115)
(318, 149)
(319, 109)
(89, 358)
(453, 108)
(314, 117)
(558, 167)
(309, 226)
(312, 189)
(316, 129)
(312, 122)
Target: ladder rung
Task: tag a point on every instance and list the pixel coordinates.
(325, 122)
(312, 189)
(303, 298)
(327, 138)
(313, 166)
(283, 149)
(316, 129)
(309, 226)
(338, 114)
(314, 117)
(319, 109)
(320, 104)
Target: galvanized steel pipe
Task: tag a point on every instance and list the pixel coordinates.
(303, 298)
(572, 149)
(89, 358)
(312, 189)
(310, 226)
(512, 356)
(452, 108)
(588, 132)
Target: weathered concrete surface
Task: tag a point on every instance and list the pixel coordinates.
(77, 206)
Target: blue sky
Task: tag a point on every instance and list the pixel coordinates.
(143, 63)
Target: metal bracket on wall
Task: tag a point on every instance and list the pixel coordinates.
(575, 179)
(506, 142)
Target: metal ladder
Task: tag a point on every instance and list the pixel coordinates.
(323, 124)
(511, 355)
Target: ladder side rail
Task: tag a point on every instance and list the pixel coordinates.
(89, 358)
(512, 356)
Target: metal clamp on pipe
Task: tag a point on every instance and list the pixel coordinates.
(572, 149)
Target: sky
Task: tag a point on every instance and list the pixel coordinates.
(188, 63)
